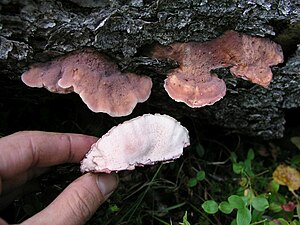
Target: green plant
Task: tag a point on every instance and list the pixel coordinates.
(185, 220)
(250, 207)
(192, 182)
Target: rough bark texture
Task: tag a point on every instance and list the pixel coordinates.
(37, 31)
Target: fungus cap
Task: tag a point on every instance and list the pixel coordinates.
(249, 57)
(98, 81)
(141, 141)
(193, 83)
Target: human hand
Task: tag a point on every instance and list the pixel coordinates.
(27, 154)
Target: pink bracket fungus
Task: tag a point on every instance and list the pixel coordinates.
(141, 141)
(102, 87)
(192, 83)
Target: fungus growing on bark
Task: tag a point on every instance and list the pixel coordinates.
(141, 141)
(193, 83)
(95, 78)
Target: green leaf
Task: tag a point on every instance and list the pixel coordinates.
(248, 195)
(283, 221)
(114, 208)
(243, 182)
(210, 206)
(256, 216)
(275, 207)
(238, 167)
(276, 198)
(250, 154)
(185, 220)
(246, 200)
(233, 157)
(295, 222)
(248, 168)
(200, 175)
(233, 222)
(225, 207)
(296, 159)
(192, 182)
(274, 186)
(236, 202)
(243, 216)
(260, 203)
(298, 211)
(279, 221)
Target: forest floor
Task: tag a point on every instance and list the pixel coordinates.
(217, 167)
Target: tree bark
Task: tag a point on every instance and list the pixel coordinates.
(37, 31)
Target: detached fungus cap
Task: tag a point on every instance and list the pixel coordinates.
(193, 83)
(95, 78)
(141, 141)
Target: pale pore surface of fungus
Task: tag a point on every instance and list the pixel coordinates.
(95, 78)
(141, 141)
(192, 83)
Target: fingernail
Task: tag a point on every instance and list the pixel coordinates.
(107, 183)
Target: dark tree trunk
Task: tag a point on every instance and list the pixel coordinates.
(36, 31)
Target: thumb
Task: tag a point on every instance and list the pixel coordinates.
(78, 202)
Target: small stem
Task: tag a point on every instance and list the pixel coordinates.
(296, 196)
(259, 222)
(262, 173)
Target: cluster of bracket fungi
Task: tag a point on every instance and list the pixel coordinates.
(104, 88)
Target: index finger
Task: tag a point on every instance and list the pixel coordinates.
(24, 150)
